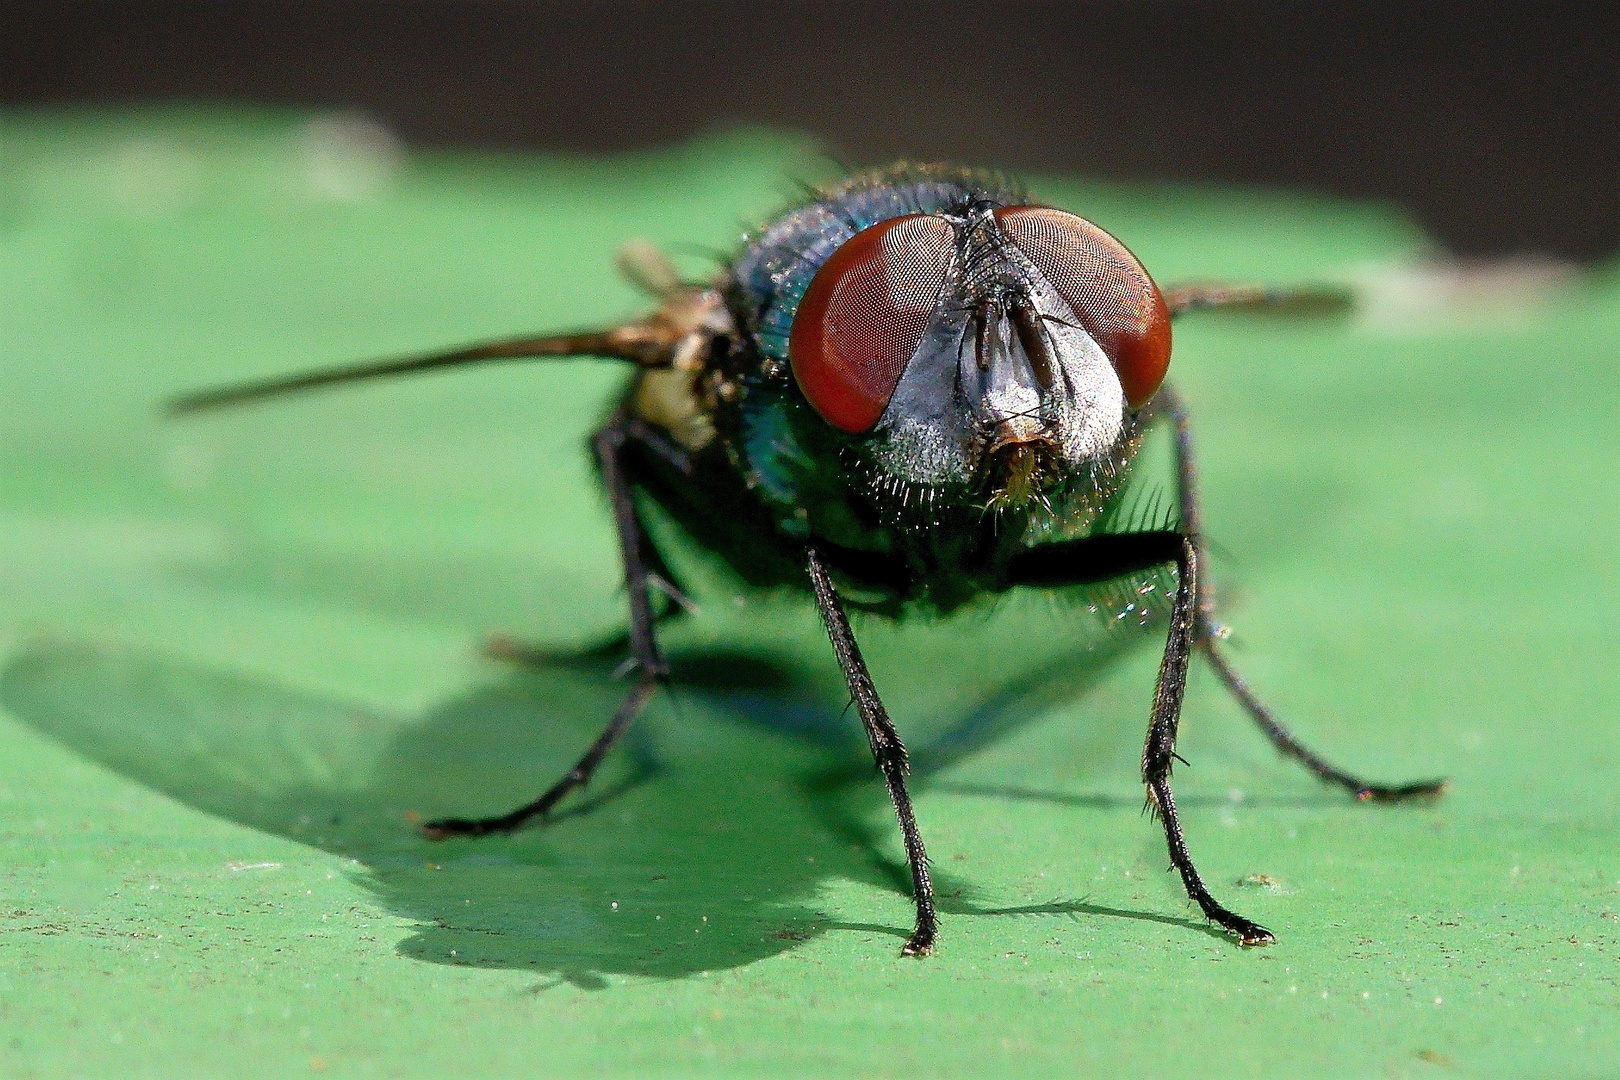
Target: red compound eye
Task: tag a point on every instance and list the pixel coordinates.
(1117, 302)
(864, 315)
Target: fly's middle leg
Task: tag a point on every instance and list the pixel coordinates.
(1207, 635)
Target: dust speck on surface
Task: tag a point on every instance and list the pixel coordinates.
(1261, 881)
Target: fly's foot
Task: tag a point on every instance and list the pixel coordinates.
(1249, 934)
(444, 828)
(920, 943)
(1428, 789)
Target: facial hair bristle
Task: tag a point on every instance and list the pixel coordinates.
(1022, 471)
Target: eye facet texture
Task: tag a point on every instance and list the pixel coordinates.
(864, 315)
(1116, 300)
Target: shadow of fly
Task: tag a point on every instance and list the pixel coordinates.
(915, 389)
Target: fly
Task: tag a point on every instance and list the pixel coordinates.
(921, 384)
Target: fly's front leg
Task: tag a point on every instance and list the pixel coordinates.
(1207, 632)
(1104, 558)
(1160, 749)
(887, 750)
(647, 659)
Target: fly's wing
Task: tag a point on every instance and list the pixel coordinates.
(640, 343)
(648, 269)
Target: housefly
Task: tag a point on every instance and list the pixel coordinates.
(918, 387)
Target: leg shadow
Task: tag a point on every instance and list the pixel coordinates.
(695, 854)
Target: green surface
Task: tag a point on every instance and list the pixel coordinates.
(236, 655)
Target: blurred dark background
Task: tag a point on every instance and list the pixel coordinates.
(1497, 126)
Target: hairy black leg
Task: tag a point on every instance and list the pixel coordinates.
(1169, 405)
(1288, 743)
(1103, 558)
(1207, 631)
(1160, 749)
(633, 546)
(887, 749)
(578, 776)
(648, 660)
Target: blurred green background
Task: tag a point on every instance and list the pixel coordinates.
(238, 655)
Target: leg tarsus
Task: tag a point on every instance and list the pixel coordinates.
(1288, 743)
(1247, 932)
(577, 777)
(1423, 789)
(920, 943)
(1159, 751)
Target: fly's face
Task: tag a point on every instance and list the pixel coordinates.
(993, 350)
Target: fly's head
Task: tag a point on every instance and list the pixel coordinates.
(993, 353)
